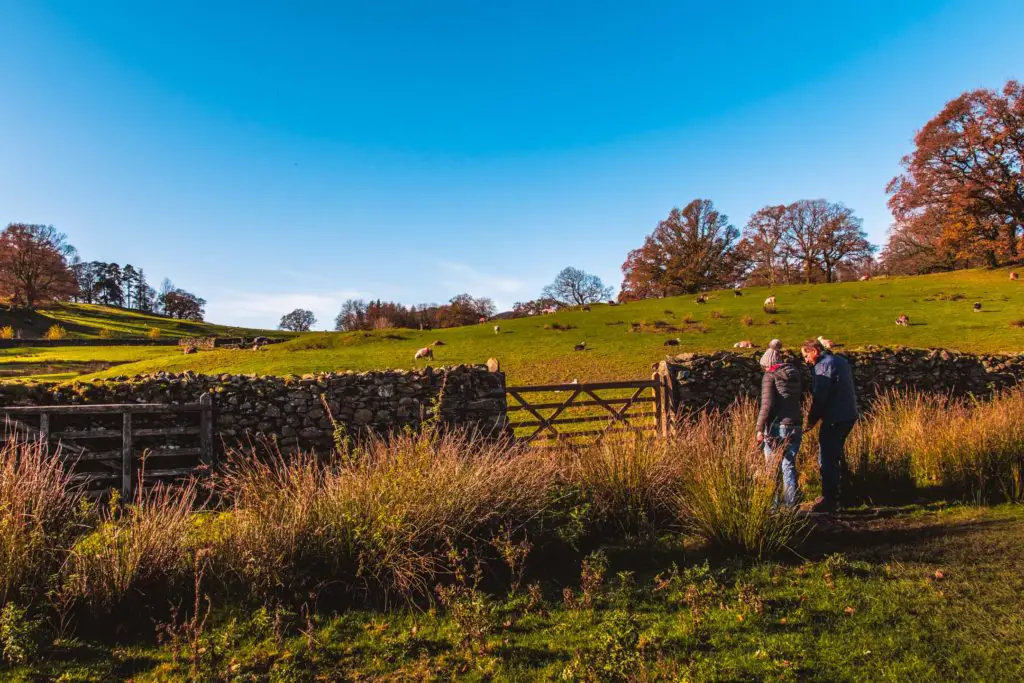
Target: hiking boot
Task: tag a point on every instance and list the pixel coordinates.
(822, 504)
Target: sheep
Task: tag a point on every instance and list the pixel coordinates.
(1014, 276)
(671, 342)
(188, 350)
(260, 341)
(701, 299)
(825, 343)
(582, 346)
(497, 329)
(737, 292)
(903, 320)
(769, 304)
(549, 310)
(437, 343)
(864, 278)
(977, 307)
(425, 352)
(745, 344)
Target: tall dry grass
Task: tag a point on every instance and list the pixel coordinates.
(381, 519)
(39, 513)
(729, 492)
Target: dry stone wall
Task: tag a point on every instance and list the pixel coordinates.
(294, 410)
(716, 380)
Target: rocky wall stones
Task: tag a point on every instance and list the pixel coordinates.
(716, 380)
(300, 412)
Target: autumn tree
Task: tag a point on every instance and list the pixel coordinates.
(763, 247)
(965, 179)
(35, 265)
(465, 310)
(690, 251)
(352, 316)
(299, 320)
(177, 303)
(821, 236)
(572, 286)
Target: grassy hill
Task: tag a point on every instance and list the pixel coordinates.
(622, 341)
(86, 321)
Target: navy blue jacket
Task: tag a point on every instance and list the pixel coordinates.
(833, 396)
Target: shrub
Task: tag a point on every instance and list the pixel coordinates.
(106, 334)
(138, 550)
(728, 493)
(6, 332)
(38, 514)
(154, 333)
(55, 333)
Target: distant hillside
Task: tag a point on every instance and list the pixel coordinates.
(622, 341)
(90, 321)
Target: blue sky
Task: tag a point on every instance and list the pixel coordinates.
(269, 156)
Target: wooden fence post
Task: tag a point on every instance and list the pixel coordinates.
(44, 430)
(127, 461)
(668, 397)
(206, 430)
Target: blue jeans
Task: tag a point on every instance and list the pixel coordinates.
(832, 456)
(785, 439)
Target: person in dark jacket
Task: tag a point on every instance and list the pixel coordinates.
(779, 420)
(834, 404)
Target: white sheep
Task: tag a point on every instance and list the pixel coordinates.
(425, 352)
(745, 344)
(769, 304)
(497, 329)
(903, 320)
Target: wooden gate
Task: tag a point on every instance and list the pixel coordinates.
(559, 409)
(122, 445)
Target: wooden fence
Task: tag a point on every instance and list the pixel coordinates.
(125, 441)
(567, 412)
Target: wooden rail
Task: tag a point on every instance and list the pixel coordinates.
(123, 456)
(619, 413)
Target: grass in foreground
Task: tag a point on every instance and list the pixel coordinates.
(624, 340)
(924, 595)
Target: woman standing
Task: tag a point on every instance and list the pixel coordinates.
(779, 422)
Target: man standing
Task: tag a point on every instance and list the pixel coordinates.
(834, 404)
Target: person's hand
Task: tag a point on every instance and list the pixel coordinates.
(759, 437)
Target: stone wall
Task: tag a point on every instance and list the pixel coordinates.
(716, 380)
(291, 408)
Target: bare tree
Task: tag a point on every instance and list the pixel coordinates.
(573, 286)
(762, 246)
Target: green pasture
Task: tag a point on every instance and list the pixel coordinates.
(623, 341)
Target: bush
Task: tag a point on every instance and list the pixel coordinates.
(56, 333)
(7, 332)
(154, 333)
(106, 334)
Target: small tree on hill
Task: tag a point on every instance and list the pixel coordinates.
(299, 320)
(35, 265)
(177, 303)
(572, 286)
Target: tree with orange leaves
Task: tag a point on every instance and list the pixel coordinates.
(34, 265)
(967, 173)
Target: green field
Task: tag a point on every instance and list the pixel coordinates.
(89, 321)
(622, 341)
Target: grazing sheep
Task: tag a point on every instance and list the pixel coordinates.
(425, 352)
(582, 346)
(737, 292)
(702, 299)
(903, 321)
(191, 349)
(497, 329)
(671, 342)
(825, 343)
(549, 310)
(977, 307)
(864, 278)
(769, 304)
(1014, 276)
(438, 343)
(744, 344)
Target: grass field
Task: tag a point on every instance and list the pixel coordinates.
(88, 321)
(926, 594)
(622, 341)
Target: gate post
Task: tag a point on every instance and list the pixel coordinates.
(206, 430)
(667, 399)
(127, 464)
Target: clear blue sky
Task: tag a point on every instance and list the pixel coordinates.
(267, 156)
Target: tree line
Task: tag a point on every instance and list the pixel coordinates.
(39, 266)
(358, 314)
